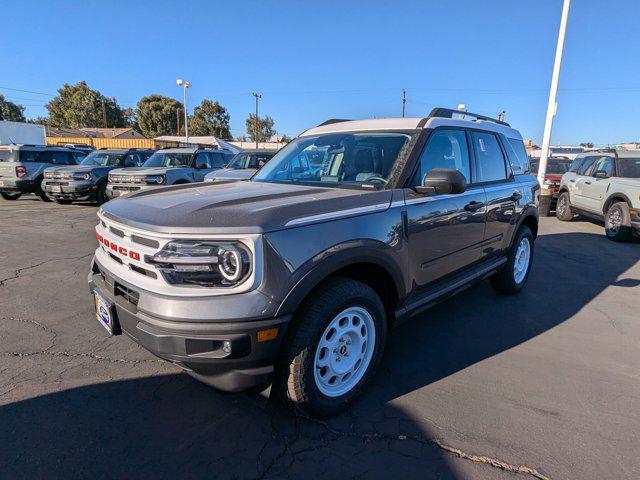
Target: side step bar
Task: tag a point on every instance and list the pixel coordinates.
(449, 287)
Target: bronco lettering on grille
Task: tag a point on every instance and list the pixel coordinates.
(117, 248)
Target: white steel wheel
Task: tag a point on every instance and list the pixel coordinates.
(344, 352)
(521, 261)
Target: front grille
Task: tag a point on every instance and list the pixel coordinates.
(59, 176)
(117, 231)
(129, 294)
(145, 241)
(126, 179)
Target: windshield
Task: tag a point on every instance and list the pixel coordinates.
(7, 155)
(553, 167)
(249, 160)
(103, 159)
(629, 167)
(168, 159)
(342, 159)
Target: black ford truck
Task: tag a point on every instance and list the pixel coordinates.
(88, 181)
(295, 277)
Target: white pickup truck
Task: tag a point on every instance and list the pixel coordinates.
(604, 184)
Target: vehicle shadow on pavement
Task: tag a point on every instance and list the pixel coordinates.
(170, 426)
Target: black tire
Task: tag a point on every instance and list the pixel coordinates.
(41, 193)
(563, 208)
(294, 379)
(505, 281)
(10, 196)
(62, 201)
(617, 222)
(101, 193)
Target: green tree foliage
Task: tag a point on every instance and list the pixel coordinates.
(11, 111)
(210, 118)
(285, 139)
(78, 106)
(157, 115)
(262, 128)
(39, 121)
(587, 145)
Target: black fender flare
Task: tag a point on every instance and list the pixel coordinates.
(326, 263)
(529, 212)
(610, 198)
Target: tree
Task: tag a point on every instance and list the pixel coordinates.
(242, 138)
(11, 111)
(210, 118)
(262, 128)
(157, 115)
(78, 106)
(587, 145)
(285, 139)
(39, 121)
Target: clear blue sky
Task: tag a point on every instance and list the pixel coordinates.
(346, 59)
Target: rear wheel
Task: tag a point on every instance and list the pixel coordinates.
(333, 349)
(563, 208)
(617, 222)
(10, 196)
(515, 273)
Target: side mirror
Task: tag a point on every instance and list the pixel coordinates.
(442, 181)
(600, 174)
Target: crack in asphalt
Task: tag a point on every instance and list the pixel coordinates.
(18, 273)
(80, 355)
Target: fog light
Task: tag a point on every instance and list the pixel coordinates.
(226, 346)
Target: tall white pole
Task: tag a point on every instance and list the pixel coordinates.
(186, 117)
(551, 107)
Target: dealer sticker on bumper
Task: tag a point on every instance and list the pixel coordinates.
(104, 313)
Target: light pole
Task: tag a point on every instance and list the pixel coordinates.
(545, 194)
(255, 125)
(185, 85)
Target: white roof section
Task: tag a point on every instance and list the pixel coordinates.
(379, 124)
(365, 125)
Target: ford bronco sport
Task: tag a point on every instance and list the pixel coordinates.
(604, 185)
(22, 167)
(88, 181)
(294, 277)
(169, 166)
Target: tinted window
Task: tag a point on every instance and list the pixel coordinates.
(202, 161)
(588, 161)
(61, 158)
(8, 155)
(605, 164)
(41, 156)
(491, 165)
(168, 159)
(628, 167)
(102, 159)
(446, 149)
(518, 156)
(576, 165)
(218, 160)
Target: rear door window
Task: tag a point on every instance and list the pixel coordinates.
(491, 164)
(518, 156)
(218, 160)
(628, 168)
(202, 161)
(575, 165)
(605, 165)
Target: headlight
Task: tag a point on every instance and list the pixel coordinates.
(81, 176)
(48, 175)
(159, 179)
(205, 263)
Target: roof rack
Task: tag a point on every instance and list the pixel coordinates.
(333, 120)
(449, 113)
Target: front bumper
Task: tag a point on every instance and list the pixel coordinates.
(69, 189)
(199, 347)
(18, 186)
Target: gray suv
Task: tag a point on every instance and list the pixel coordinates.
(169, 166)
(88, 181)
(22, 167)
(295, 277)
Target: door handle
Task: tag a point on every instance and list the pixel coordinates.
(473, 206)
(587, 183)
(516, 196)
(572, 180)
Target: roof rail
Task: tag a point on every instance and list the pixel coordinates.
(332, 120)
(449, 113)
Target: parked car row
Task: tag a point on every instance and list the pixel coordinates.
(66, 174)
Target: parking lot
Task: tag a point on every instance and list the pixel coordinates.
(544, 384)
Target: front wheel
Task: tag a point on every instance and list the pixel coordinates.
(515, 273)
(334, 348)
(42, 194)
(617, 222)
(62, 201)
(563, 208)
(101, 193)
(10, 196)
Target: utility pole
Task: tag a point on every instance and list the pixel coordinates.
(545, 193)
(104, 115)
(255, 125)
(404, 100)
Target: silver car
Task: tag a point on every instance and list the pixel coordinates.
(242, 167)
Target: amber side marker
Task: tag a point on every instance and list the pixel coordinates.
(266, 335)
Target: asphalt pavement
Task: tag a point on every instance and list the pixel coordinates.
(545, 384)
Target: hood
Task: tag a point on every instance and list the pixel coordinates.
(232, 173)
(240, 207)
(143, 170)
